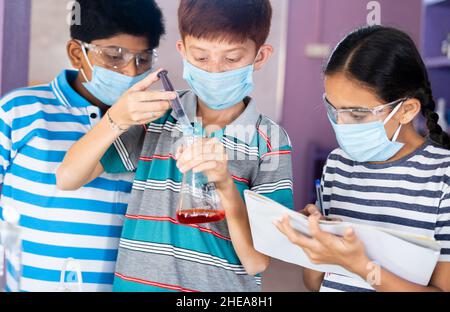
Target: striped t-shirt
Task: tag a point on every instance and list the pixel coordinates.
(410, 195)
(37, 127)
(156, 252)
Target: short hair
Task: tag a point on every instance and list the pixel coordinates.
(103, 19)
(230, 20)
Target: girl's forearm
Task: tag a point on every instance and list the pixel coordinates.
(312, 279)
(239, 228)
(384, 281)
(82, 162)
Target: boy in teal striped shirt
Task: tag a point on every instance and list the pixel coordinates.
(223, 43)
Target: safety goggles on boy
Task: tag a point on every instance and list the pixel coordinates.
(118, 58)
(357, 115)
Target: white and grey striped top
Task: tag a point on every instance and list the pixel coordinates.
(411, 195)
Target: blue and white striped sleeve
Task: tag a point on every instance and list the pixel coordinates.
(442, 229)
(5, 143)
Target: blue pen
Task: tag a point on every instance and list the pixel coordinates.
(319, 196)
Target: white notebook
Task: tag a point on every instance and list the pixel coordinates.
(409, 256)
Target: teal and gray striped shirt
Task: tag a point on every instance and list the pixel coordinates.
(156, 252)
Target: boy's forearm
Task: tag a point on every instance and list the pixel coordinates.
(239, 228)
(82, 162)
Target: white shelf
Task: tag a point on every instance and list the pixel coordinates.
(433, 2)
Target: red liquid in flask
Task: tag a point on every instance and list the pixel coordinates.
(199, 215)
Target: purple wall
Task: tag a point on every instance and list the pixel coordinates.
(14, 43)
(435, 30)
(325, 21)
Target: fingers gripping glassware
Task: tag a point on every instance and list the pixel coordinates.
(199, 201)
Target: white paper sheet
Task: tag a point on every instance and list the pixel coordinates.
(410, 257)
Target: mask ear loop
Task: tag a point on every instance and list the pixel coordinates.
(397, 133)
(83, 48)
(395, 111)
(256, 58)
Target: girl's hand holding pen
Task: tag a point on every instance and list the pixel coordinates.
(311, 209)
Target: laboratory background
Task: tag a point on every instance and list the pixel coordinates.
(34, 33)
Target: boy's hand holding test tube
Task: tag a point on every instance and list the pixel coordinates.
(139, 106)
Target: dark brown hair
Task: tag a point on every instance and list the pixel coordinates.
(228, 20)
(103, 19)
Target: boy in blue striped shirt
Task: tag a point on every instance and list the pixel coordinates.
(113, 49)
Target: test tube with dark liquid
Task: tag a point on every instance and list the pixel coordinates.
(175, 104)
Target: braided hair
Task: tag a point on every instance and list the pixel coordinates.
(387, 61)
(428, 111)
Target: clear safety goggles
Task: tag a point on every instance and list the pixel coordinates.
(358, 115)
(118, 58)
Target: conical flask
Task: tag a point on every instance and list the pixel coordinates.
(199, 201)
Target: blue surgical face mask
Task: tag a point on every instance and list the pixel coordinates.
(220, 91)
(107, 85)
(368, 142)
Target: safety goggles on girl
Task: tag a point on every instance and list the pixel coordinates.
(357, 115)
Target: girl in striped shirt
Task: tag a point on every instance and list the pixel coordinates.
(385, 173)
